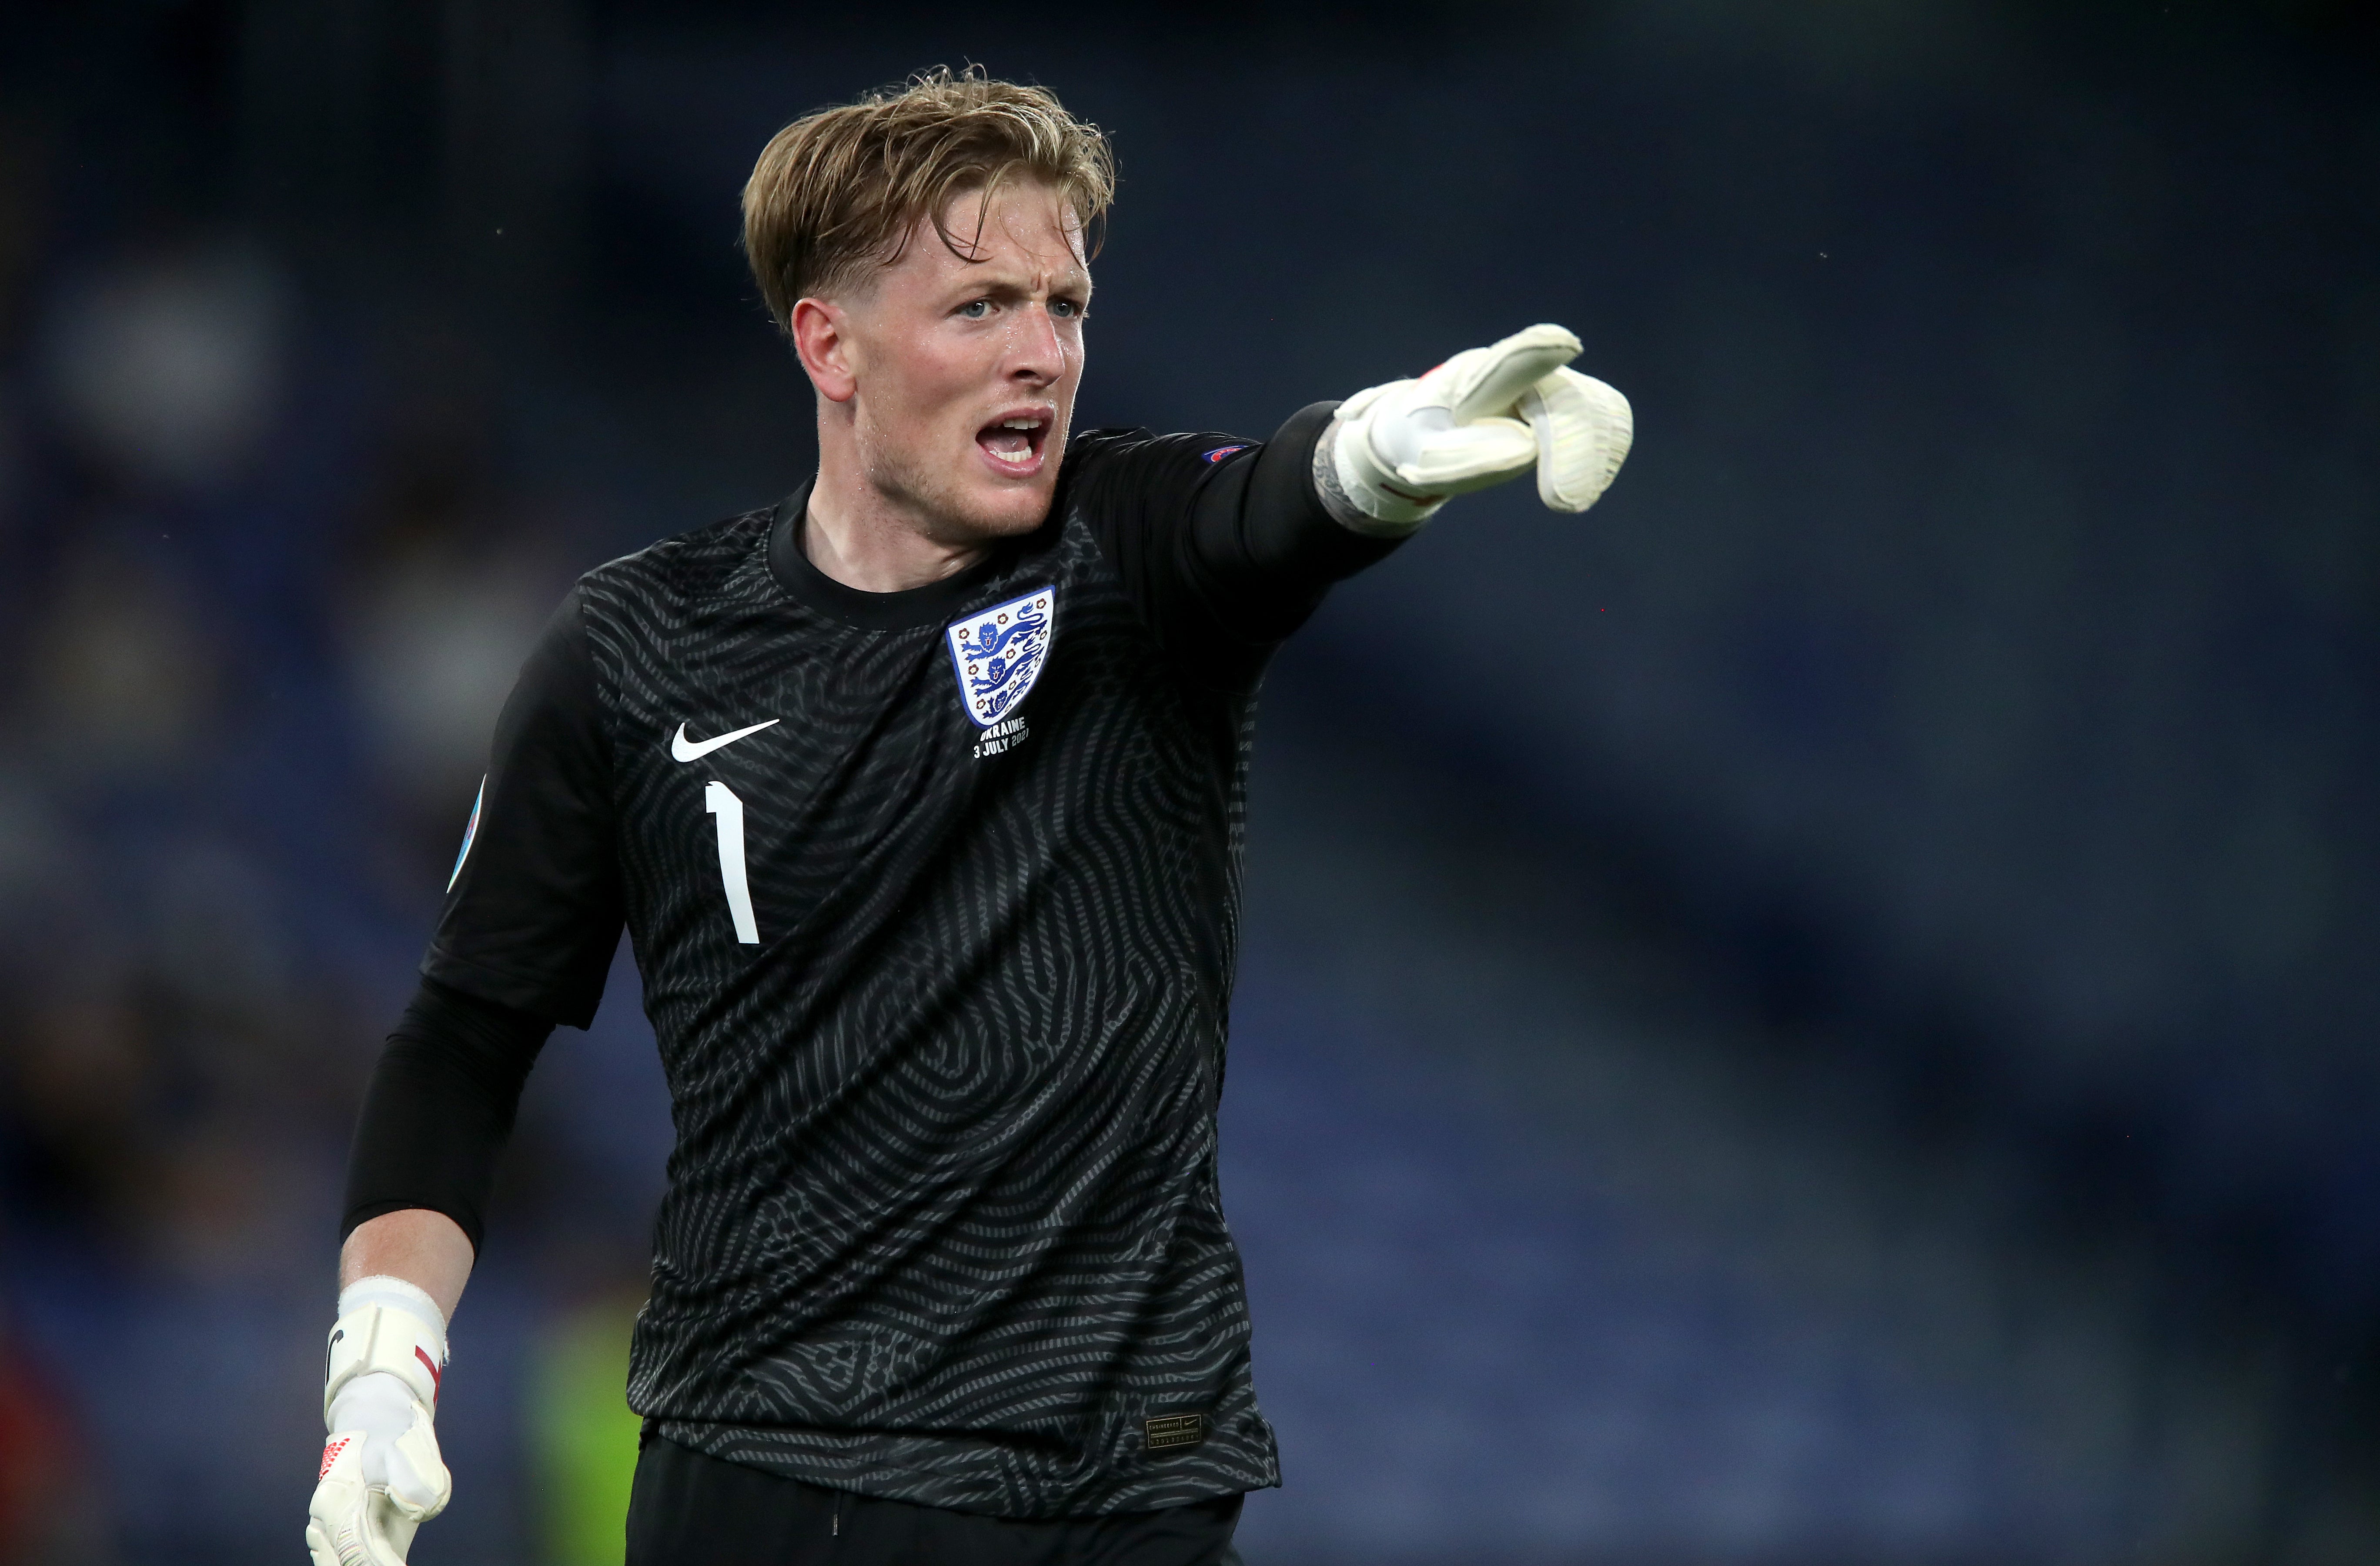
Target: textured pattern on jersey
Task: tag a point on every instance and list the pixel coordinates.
(942, 1222)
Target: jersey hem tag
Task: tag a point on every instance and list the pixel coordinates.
(1169, 1431)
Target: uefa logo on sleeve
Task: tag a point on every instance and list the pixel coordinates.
(998, 653)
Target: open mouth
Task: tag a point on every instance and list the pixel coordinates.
(1014, 441)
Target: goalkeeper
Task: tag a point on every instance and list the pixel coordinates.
(919, 794)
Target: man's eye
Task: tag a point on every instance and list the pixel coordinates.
(975, 310)
(1065, 307)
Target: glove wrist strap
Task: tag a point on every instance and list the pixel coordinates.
(380, 1338)
(1352, 488)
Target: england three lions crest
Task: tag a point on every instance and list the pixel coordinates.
(998, 653)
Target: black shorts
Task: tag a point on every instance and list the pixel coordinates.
(688, 1509)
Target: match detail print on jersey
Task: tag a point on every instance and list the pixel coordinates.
(998, 653)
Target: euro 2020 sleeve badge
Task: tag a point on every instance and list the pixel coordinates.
(998, 653)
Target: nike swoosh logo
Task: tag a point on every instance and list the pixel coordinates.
(681, 750)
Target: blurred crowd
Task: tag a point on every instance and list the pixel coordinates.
(262, 587)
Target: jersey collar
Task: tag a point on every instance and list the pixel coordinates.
(933, 604)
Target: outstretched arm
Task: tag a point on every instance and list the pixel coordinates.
(1228, 545)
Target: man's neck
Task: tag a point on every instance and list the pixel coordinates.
(857, 536)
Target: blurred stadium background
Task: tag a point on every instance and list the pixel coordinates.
(1824, 1012)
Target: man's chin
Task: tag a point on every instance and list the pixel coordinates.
(977, 516)
(960, 504)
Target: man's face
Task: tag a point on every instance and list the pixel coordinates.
(964, 371)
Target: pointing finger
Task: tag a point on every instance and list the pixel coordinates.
(1489, 384)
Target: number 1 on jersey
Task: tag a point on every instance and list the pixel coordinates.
(720, 801)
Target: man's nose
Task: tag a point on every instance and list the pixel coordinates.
(1035, 352)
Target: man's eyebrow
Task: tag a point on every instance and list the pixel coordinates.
(974, 285)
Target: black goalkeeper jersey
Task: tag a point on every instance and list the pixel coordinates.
(934, 895)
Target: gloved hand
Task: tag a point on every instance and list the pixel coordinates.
(1394, 453)
(382, 1476)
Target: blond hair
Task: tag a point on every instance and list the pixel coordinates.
(840, 190)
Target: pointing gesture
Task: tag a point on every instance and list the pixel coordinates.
(1396, 453)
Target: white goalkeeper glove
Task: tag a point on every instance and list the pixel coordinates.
(1394, 453)
(382, 1476)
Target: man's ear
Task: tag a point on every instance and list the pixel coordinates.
(825, 348)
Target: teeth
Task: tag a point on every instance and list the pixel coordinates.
(1022, 424)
